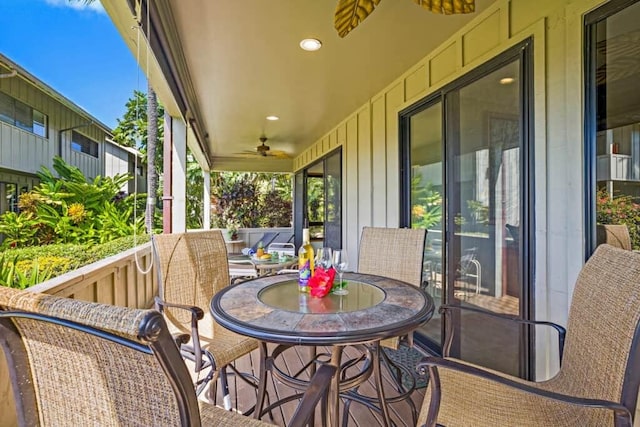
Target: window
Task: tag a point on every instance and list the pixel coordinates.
(22, 116)
(83, 144)
(8, 197)
(612, 121)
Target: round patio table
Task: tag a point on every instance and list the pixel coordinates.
(272, 310)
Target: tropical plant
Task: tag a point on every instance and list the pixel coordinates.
(194, 194)
(70, 209)
(235, 196)
(19, 229)
(13, 277)
(426, 209)
(621, 209)
(251, 199)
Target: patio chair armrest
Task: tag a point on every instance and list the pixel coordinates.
(431, 364)
(317, 390)
(562, 332)
(180, 339)
(196, 314)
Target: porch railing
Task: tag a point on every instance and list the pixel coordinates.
(115, 280)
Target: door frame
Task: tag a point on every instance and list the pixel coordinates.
(300, 217)
(523, 51)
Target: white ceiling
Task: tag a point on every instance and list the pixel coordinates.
(245, 63)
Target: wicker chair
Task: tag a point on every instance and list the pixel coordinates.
(192, 269)
(396, 253)
(614, 234)
(78, 363)
(392, 252)
(597, 384)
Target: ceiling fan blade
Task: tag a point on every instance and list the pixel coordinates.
(448, 7)
(280, 154)
(349, 13)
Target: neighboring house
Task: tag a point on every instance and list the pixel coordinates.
(119, 159)
(38, 123)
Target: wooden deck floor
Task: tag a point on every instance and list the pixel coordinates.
(243, 395)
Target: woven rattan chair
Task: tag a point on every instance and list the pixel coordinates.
(192, 269)
(75, 363)
(392, 252)
(614, 234)
(396, 253)
(597, 384)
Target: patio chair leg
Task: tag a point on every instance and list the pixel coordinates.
(224, 384)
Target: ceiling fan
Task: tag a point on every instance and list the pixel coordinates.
(349, 13)
(265, 151)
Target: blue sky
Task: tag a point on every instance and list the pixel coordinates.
(75, 49)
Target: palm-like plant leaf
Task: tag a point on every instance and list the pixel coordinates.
(349, 13)
(448, 7)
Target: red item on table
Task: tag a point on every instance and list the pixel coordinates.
(321, 282)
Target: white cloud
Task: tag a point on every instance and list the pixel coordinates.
(96, 6)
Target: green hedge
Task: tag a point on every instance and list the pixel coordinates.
(24, 267)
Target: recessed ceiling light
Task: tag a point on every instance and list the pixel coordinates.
(311, 44)
(507, 80)
(273, 118)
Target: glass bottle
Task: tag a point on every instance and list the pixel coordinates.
(305, 262)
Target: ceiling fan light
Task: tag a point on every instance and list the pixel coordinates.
(273, 118)
(310, 44)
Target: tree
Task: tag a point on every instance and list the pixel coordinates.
(142, 126)
(152, 172)
(250, 199)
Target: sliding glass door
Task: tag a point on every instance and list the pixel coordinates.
(466, 156)
(318, 199)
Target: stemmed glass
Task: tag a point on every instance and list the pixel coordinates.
(323, 258)
(340, 264)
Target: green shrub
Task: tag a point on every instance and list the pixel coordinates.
(24, 267)
(116, 246)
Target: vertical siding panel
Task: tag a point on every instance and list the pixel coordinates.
(86, 294)
(379, 159)
(120, 293)
(105, 288)
(341, 134)
(333, 140)
(5, 155)
(394, 99)
(5, 140)
(364, 168)
(350, 191)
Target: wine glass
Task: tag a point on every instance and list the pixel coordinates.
(340, 264)
(323, 258)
